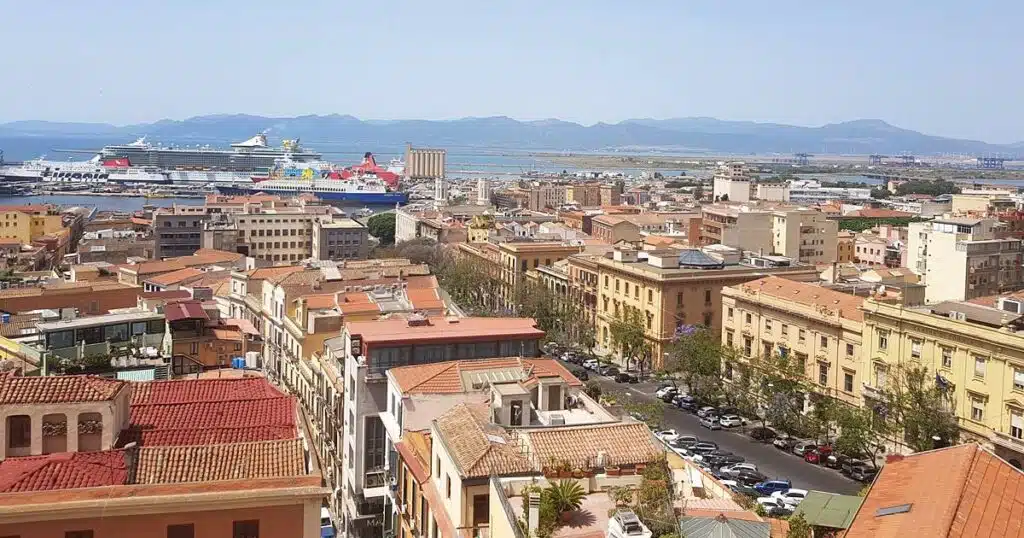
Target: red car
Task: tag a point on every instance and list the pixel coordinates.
(813, 456)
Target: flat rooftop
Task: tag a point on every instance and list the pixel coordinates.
(95, 321)
(442, 329)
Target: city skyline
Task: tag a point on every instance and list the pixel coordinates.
(581, 62)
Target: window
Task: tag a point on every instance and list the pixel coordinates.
(1016, 423)
(915, 348)
(883, 339)
(1018, 379)
(19, 431)
(728, 338)
(748, 318)
(730, 310)
(617, 282)
(606, 281)
(977, 409)
(881, 376)
(979, 366)
(785, 330)
(824, 342)
(249, 528)
(707, 296)
(650, 296)
(768, 325)
(679, 302)
(822, 373)
(448, 486)
(801, 335)
(187, 530)
(947, 357)
(707, 319)
(848, 381)
(849, 350)
(748, 345)
(437, 466)
(78, 534)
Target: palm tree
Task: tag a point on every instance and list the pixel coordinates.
(567, 495)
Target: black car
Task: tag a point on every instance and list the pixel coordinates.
(685, 441)
(625, 377)
(669, 395)
(850, 466)
(580, 374)
(704, 447)
(608, 370)
(863, 473)
(749, 477)
(729, 459)
(763, 434)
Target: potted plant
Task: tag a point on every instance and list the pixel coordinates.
(567, 496)
(577, 473)
(613, 470)
(564, 470)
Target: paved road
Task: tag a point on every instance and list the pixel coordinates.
(771, 461)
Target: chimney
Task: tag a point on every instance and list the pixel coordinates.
(835, 267)
(131, 458)
(533, 517)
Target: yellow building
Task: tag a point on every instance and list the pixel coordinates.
(805, 235)
(820, 327)
(480, 227)
(28, 223)
(844, 248)
(977, 350)
(670, 288)
(518, 257)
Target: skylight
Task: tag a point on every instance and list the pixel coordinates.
(891, 510)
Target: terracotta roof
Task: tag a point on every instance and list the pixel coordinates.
(425, 299)
(184, 310)
(205, 256)
(197, 416)
(807, 294)
(65, 470)
(959, 491)
(202, 390)
(321, 301)
(447, 377)
(421, 282)
(441, 329)
(57, 389)
(357, 303)
(205, 436)
(271, 273)
(477, 447)
(873, 213)
(235, 461)
(149, 268)
(227, 334)
(175, 277)
(625, 443)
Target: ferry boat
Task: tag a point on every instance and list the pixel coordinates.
(366, 189)
(251, 155)
(91, 171)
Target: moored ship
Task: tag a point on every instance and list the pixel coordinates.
(361, 189)
(251, 155)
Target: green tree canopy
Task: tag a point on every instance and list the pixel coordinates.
(382, 226)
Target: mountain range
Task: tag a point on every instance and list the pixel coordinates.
(691, 135)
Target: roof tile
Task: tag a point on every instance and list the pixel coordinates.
(236, 461)
(66, 470)
(479, 448)
(446, 377)
(57, 389)
(808, 294)
(626, 443)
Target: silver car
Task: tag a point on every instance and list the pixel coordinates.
(711, 423)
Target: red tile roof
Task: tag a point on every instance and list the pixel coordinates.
(874, 213)
(66, 470)
(199, 416)
(57, 389)
(447, 377)
(846, 305)
(184, 310)
(961, 491)
(478, 448)
(441, 329)
(206, 436)
(425, 299)
(202, 390)
(624, 443)
(175, 277)
(235, 461)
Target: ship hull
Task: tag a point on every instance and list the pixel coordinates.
(355, 197)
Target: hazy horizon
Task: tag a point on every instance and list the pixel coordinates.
(944, 69)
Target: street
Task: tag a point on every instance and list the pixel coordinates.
(772, 462)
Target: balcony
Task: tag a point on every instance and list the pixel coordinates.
(870, 391)
(1005, 440)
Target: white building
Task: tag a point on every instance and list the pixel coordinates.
(732, 183)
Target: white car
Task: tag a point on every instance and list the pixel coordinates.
(660, 393)
(590, 364)
(791, 497)
(733, 470)
(731, 421)
(703, 411)
(667, 435)
(774, 506)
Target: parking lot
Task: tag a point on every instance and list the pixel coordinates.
(772, 462)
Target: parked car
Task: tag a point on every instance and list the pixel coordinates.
(771, 486)
(783, 441)
(836, 460)
(730, 421)
(813, 456)
(590, 364)
(734, 469)
(667, 435)
(670, 395)
(763, 434)
(727, 460)
(791, 496)
(704, 447)
(741, 488)
(662, 391)
(863, 473)
(749, 477)
(625, 377)
(728, 410)
(774, 507)
(609, 370)
(704, 411)
(802, 447)
(685, 401)
(685, 441)
(710, 423)
(580, 374)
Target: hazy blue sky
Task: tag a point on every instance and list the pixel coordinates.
(944, 67)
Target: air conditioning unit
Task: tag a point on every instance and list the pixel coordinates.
(1011, 305)
(959, 316)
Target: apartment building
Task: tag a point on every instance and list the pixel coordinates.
(818, 326)
(805, 235)
(961, 258)
(737, 226)
(731, 183)
(196, 457)
(845, 244)
(614, 228)
(370, 349)
(976, 350)
(178, 230)
(339, 239)
(611, 194)
(93, 298)
(515, 258)
(584, 194)
(28, 223)
(545, 196)
(673, 288)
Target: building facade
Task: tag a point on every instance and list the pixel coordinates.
(805, 235)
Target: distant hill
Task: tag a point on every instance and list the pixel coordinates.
(696, 134)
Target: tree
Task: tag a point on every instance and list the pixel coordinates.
(697, 355)
(779, 387)
(861, 433)
(799, 527)
(628, 336)
(921, 407)
(419, 250)
(880, 193)
(382, 226)
(593, 390)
